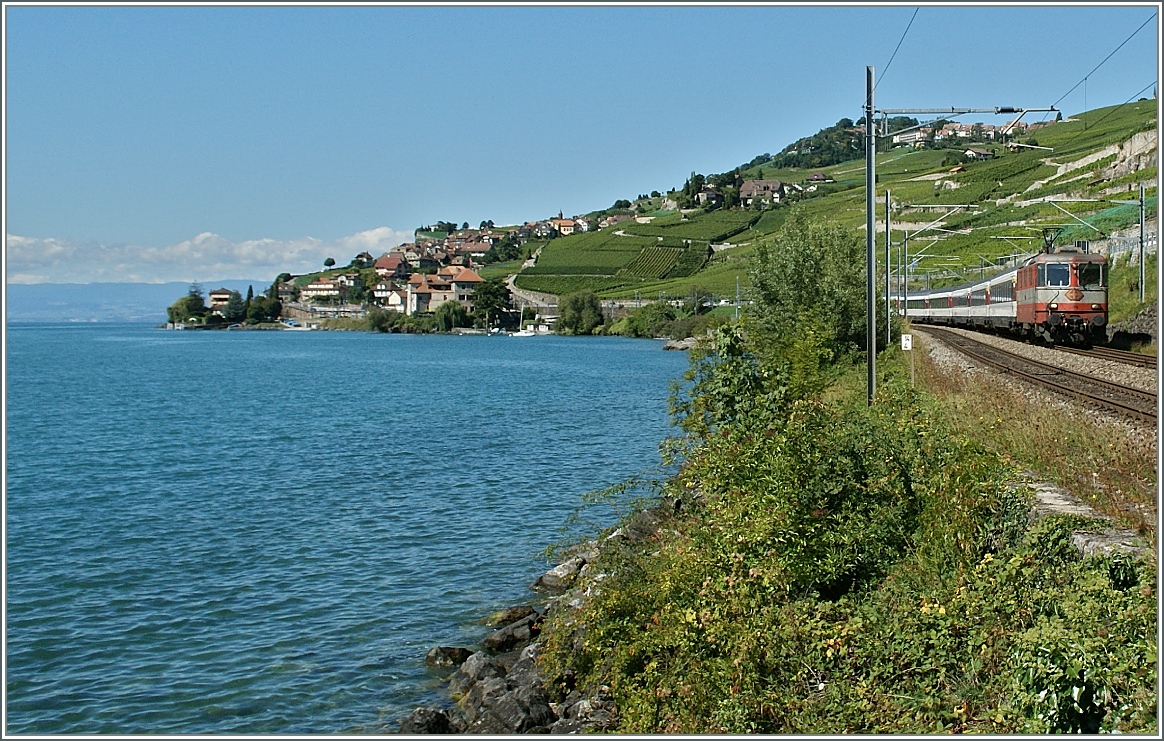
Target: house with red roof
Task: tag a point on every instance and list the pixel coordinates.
(565, 227)
(391, 266)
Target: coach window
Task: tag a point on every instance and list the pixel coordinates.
(1091, 276)
(1042, 279)
(1058, 274)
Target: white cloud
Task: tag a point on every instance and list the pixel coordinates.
(204, 257)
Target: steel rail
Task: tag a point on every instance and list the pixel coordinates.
(1114, 355)
(1044, 373)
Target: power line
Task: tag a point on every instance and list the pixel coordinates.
(1113, 110)
(894, 54)
(1109, 56)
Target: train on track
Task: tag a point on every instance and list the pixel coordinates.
(1058, 296)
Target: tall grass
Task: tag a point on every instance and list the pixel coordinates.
(1110, 466)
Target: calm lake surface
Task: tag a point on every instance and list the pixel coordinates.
(264, 532)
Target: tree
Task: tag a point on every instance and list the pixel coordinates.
(487, 224)
(329, 262)
(264, 309)
(465, 225)
(357, 293)
(490, 299)
(250, 298)
(235, 309)
(731, 197)
(190, 306)
(579, 313)
(812, 274)
(507, 248)
(621, 203)
(451, 314)
(383, 320)
(273, 290)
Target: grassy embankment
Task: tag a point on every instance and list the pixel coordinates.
(838, 568)
(1123, 294)
(1111, 466)
(854, 570)
(1000, 226)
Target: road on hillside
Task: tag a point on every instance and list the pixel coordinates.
(532, 299)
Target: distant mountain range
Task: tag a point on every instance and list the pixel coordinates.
(104, 302)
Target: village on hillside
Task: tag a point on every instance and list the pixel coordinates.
(441, 266)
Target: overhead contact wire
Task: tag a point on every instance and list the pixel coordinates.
(894, 54)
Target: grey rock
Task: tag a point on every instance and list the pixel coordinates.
(513, 636)
(488, 724)
(567, 725)
(507, 660)
(558, 579)
(426, 721)
(457, 720)
(684, 344)
(587, 551)
(509, 615)
(524, 672)
(644, 524)
(537, 705)
(513, 715)
(477, 667)
(579, 710)
(1142, 327)
(1109, 542)
(447, 656)
(483, 694)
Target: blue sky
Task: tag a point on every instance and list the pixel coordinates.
(216, 142)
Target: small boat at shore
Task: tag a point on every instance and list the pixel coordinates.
(527, 332)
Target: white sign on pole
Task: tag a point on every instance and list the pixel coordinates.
(907, 342)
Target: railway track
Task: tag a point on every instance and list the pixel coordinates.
(1110, 353)
(1106, 394)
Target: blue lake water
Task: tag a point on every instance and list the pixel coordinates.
(264, 532)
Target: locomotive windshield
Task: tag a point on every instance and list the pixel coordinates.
(1058, 274)
(1091, 276)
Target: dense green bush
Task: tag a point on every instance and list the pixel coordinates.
(652, 320)
(861, 571)
(579, 313)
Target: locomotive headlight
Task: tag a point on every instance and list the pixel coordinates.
(1095, 307)
(1052, 307)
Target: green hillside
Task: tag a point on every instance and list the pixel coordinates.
(633, 258)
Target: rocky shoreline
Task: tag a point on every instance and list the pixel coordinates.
(498, 689)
